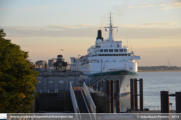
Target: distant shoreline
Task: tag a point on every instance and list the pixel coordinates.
(159, 71)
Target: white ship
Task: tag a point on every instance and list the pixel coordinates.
(109, 60)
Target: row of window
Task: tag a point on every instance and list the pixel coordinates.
(114, 55)
(111, 50)
(114, 61)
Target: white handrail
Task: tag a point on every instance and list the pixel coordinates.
(74, 101)
(89, 100)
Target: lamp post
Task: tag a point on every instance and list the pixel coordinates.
(101, 78)
(101, 72)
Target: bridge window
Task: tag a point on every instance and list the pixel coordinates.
(61, 85)
(51, 82)
(115, 50)
(98, 46)
(105, 50)
(61, 81)
(110, 50)
(51, 85)
(125, 50)
(120, 50)
(107, 61)
(101, 50)
(128, 54)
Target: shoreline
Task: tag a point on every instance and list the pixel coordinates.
(161, 71)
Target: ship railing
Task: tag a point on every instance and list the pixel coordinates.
(134, 55)
(89, 100)
(158, 107)
(74, 101)
(117, 69)
(46, 91)
(50, 73)
(60, 73)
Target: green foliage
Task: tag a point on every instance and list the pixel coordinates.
(17, 78)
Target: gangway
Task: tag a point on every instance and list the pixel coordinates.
(82, 102)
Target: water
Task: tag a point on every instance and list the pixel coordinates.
(154, 82)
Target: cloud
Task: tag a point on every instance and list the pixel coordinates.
(49, 31)
(146, 5)
(162, 24)
(177, 3)
(69, 26)
(14, 38)
(165, 5)
(40, 8)
(148, 25)
(134, 32)
(30, 8)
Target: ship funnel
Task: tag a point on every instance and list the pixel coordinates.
(99, 34)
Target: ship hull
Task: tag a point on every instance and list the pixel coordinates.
(124, 77)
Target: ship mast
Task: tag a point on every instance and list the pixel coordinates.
(110, 29)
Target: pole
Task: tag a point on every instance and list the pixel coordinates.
(112, 96)
(136, 93)
(165, 108)
(141, 95)
(108, 95)
(178, 104)
(132, 94)
(64, 101)
(101, 72)
(118, 99)
(101, 88)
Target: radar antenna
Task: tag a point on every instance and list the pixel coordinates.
(110, 29)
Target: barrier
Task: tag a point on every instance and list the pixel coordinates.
(74, 101)
(89, 100)
(76, 88)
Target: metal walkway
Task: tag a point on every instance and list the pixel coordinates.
(83, 108)
(82, 102)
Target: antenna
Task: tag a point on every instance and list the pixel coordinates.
(127, 42)
(110, 29)
(168, 63)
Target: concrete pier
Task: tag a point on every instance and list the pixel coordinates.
(54, 102)
(56, 81)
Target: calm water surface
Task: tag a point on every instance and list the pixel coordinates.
(154, 82)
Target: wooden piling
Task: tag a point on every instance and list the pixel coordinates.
(118, 97)
(141, 94)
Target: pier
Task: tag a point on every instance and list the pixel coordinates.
(71, 95)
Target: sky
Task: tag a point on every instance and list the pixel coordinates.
(151, 28)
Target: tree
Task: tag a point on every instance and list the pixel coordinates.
(17, 78)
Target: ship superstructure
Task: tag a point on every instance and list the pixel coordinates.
(109, 60)
(112, 55)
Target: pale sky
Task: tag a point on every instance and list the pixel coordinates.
(43, 27)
